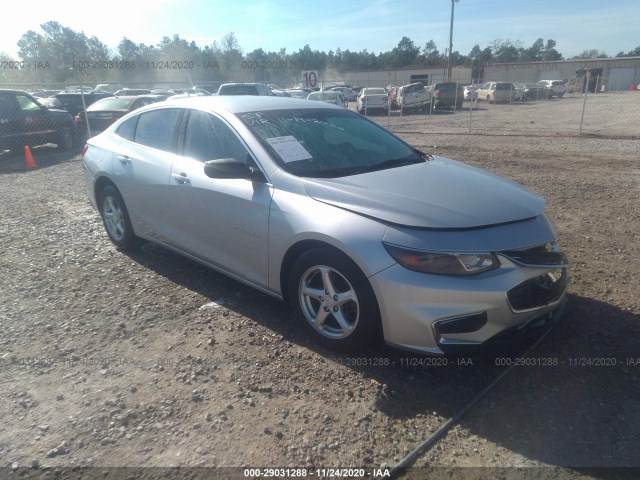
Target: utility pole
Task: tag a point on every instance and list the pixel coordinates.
(450, 40)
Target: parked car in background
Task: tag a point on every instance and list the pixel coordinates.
(348, 94)
(575, 85)
(392, 90)
(360, 232)
(279, 93)
(447, 95)
(105, 111)
(328, 96)
(413, 96)
(372, 99)
(210, 89)
(534, 91)
(469, 91)
(24, 121)
(44, 93)
(519, 91)
(259, 89)
(299, 92)
(74, 102)
(109, 87)
(188, 91)
(494, 92)
(129, 92)
(555, 88)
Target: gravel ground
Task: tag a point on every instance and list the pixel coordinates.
(148, 359)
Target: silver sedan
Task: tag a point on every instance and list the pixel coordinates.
(361, 233)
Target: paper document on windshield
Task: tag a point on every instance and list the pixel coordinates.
(289, 149)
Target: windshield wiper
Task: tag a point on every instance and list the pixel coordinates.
(394, 162)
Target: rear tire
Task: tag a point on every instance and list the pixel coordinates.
(115, 218)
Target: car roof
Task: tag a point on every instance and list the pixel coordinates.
(244, 103)
(11, 90)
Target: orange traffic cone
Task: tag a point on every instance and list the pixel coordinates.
(29, 162)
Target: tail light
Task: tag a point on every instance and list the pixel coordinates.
(436, 93)
(84, 150)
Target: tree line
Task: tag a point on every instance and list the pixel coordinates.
(61, 55)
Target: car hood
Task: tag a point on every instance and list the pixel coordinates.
(438, 194)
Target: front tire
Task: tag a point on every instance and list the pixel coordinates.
(115, 218)
(333, 299)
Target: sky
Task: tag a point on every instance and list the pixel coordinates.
(375, 25)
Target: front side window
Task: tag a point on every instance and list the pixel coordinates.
(314, 142)
(157, 128)
(209, 138)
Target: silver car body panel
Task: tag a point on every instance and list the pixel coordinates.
(439, 205)
(440, 194)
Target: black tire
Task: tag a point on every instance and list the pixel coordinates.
(115, 218)
(65, 139)
(336, 286)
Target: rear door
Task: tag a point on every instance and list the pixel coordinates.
(141, 164)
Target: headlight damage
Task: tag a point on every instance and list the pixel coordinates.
(443, 263)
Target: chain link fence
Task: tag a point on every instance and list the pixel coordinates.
(434, 107)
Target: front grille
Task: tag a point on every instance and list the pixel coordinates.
(539, 291)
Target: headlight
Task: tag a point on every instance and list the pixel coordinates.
(443, 263)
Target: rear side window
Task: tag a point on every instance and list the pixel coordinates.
(157, 128)
(504, 86)
(127, 129)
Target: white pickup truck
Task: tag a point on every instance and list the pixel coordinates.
(413, 97)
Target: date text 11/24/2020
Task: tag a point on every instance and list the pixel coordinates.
(147, 65)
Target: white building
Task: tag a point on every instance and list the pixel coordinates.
(401, 76)
(614, 73)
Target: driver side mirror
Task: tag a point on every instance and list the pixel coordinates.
(228, 168)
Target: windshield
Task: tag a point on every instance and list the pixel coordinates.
(314, 142)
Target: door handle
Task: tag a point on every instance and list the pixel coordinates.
(181, 178)
(124, 159)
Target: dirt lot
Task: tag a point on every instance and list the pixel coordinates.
(148, 359)
(605, 114)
